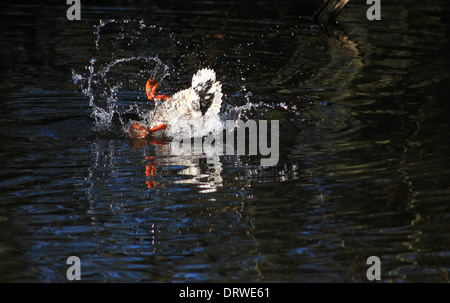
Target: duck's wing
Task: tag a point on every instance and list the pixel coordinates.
(210, 98)
(213, 100)
(208, 90)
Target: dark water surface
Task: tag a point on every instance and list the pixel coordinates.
(364, 152)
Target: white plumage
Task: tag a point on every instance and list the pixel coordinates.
(194, 107)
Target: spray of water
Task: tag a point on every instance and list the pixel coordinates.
(110, 89)
(115, 87)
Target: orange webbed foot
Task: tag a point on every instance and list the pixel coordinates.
(138, 131)
(150, 89)
(159, 127)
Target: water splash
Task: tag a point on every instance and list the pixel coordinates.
(113, 89)
(115, 86)
(112, 33)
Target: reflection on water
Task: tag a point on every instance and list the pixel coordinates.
(363, 166)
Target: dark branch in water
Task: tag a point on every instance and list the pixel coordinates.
(329, 10)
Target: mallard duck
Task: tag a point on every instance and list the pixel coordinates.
(196, 104)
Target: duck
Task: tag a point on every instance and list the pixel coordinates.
(199, 103)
